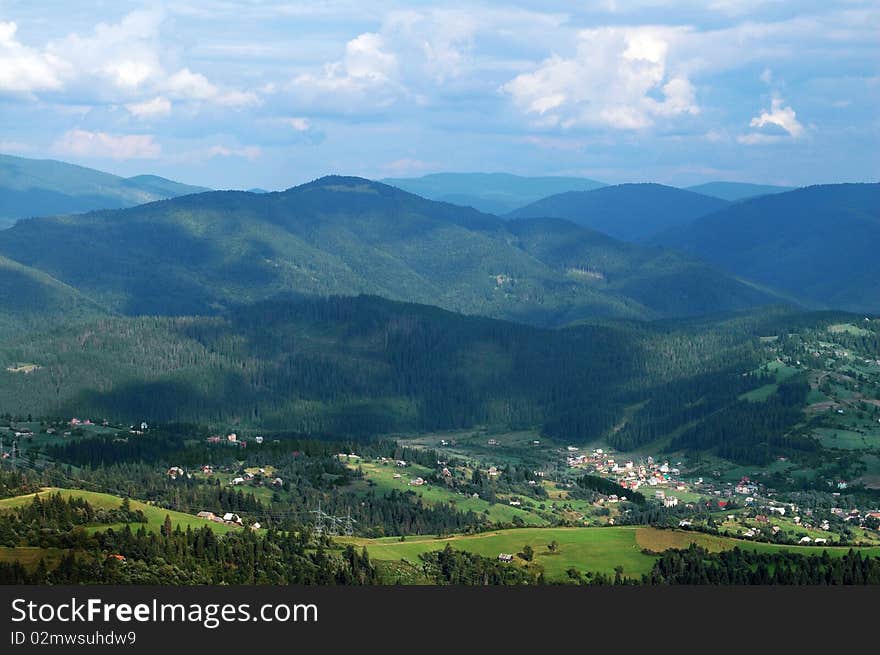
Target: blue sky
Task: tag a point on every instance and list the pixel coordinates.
(243, 94)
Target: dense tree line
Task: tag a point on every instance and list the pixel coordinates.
(198, 557)
(697, 566)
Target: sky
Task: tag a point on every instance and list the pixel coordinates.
(272, 94)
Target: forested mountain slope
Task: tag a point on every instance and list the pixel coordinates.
(203, 253)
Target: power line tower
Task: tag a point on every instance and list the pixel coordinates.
(348, 524)
(320, 523)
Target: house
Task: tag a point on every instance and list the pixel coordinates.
(416, 482)
(237, 481)
(446, 473)
(685, 524)
(397, 476)
(820, 540)
(258, 439)
(117, 557)
(232, 437)
(229, 517)
(670, 501)
(804, 540)
(492, 442)
(401, 463)
(206, 515)
(515, 503)
(505, 557)
(255, 526)
(175, 472)
(213, 439)
(277, 482)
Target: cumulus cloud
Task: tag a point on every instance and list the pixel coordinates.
(773, 125)
(23, 69)
(121, 63)
(187, 85)
(367, 71)
(154, 108)
(784, 117)
(101, 145)
(618, 77)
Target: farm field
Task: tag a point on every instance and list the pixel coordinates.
(383, 478)
(585, 549)
(155, 515)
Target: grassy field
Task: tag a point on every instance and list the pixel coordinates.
(30, 556)
(585, 549)
(155, 515)
(383, 477)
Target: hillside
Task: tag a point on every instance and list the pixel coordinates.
(37, 187)
(202, 253)
(734, 191)
(31, 299)
(366, 366)
(818, 243)
(494, 193)
(654, 277)
(630, 212)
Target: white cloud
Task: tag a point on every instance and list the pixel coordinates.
(618, 77)
(82, 143)
(784, 117)
(367, 73)
(155, 108)
(125, 55)
(122, 63)
(299, 124)
(24, 69)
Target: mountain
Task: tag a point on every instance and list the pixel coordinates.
(359, 366)
(653, 277)
(31, 300)
(630, 212)
(202, 253)
(494, 193)
(44, 187)
(734, 191)
(819, 243)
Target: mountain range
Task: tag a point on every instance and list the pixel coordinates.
(631, 212)
(734, 191)
(42, 187)
(493, 193)
(200, 254)
(818, 243)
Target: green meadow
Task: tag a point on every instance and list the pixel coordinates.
(155, 515)
(585, 549)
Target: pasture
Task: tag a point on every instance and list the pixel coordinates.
(155, 515)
